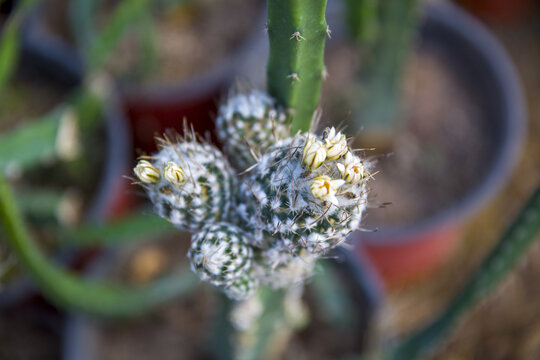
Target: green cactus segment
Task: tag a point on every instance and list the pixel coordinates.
(280, 209)
(203, 196)
(249, 123)
(220, 254)
(506, 253)
(383, 67)
(363, 20)
(264, 337)
(297, 32)
(74, 292)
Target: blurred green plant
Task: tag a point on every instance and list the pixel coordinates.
(383, 31)
(9, 40)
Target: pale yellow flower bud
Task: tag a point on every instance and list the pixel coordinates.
(335, 144)
(324, 188)
(353, 170)
(146, 172)
(174, 174)
(314, 153)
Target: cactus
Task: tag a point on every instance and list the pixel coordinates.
(300, 199)
(190, 183)
(220, 254)
(297, 31)
(247, 124)
(385, 30)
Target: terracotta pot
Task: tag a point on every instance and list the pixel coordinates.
(406, 253)
(153, 109)
(498, 12)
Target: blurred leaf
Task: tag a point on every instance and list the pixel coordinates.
(332, 297)
(135, 227)
(9, 52)
(9, 40)
(125, 15)
(31, 143)
(39, 203)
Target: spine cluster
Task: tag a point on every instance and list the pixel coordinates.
(300, 197)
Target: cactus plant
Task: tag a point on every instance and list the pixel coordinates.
(301, 198)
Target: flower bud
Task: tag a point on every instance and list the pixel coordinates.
(314, 153)
(174, 174)
(335, 144)
(146, 172)
(353, 171)
(324, 188)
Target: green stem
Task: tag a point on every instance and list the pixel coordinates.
(506, 253)
(385, 58)
(297, 32)
(362, 20)
(126, 14)
(262, 339)
(9, 40)
(70, 290)
(129, 229)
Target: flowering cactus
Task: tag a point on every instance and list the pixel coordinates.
(190, 183)
(300, 197)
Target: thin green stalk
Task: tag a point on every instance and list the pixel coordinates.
(363, 20)
(262, 339)
(500, 261)
(125, 15)
(297, 32)
(70, 290)
(9, 40)
(385, 58)
(132, 228)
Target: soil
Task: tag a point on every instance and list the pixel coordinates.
(436, 154)
(26, 98)
(189, 38)
(181, 329)
(30, 332)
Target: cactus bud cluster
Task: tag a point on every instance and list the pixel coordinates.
(248, 123)
(300, 197)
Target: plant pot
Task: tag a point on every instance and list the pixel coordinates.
(112, 197)
(154, 108)
(47, 51)
(174, 331)
(498, 12)
(403, 253)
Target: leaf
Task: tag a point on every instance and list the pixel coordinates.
(135, 227)
(31, 143)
